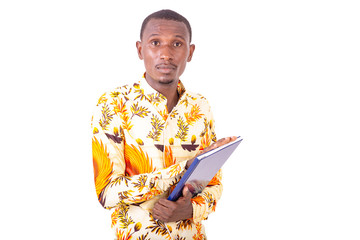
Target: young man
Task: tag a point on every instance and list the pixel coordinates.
(146, 135)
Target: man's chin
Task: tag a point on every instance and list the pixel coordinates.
(166, 81)
(162, 79)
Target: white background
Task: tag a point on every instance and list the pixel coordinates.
(282, 74)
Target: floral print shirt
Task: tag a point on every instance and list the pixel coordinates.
(139, 154)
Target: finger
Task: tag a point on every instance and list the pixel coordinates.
(163, 202)
(186, 193)
(159, 207)
(158, 216)
(165, 207)
(220, 143)
(214, 145)
(226, 140)
(159, 212)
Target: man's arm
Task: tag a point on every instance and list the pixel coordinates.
(183, 208)
(113, 186)
(217, 144)
(169, 211)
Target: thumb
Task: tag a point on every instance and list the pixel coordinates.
(187, 193)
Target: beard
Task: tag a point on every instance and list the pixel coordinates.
(166, 81)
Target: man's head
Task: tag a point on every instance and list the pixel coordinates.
(165, 47)
(168, 15)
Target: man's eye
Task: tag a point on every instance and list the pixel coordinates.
(155, 43)
(177, 44)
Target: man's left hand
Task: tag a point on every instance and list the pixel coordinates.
(169, 211)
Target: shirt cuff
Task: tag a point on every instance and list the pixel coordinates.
(169, 176)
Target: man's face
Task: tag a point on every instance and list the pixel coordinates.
(165, 48)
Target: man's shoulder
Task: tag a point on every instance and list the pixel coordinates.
(195, 101)
(197, 97)
(123, 90)
(119, 92)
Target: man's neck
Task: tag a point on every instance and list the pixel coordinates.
(169, 90)
(172, 100)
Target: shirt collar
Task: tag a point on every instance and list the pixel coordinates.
(149, 91)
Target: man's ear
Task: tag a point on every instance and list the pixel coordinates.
(139, 48)
(192, 49)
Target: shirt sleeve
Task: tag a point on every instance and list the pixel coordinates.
(205, 202)
(112, 185)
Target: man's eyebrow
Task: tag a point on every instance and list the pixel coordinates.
(156, 35)
(180, 36)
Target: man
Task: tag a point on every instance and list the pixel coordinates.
(147, 134)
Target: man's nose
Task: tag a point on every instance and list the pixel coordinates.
(166, 53)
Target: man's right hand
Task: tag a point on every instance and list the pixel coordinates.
(217, 144)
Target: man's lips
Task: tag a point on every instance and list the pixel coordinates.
(165, 68)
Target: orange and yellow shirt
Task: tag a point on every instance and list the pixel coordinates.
(140, 152)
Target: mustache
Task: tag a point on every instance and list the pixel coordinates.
(167, 64)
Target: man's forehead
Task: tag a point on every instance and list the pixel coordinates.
(164, 26)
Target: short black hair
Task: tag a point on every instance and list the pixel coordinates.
(168, 15)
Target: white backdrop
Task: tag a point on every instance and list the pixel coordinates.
(282, 74)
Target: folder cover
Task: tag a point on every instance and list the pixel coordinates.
(203, 169)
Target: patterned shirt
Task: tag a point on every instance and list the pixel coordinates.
(139, 154)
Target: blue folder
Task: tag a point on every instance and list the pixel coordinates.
(203, 169)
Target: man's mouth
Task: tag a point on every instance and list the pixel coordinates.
(165, 68)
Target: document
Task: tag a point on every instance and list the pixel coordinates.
(203, 169)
